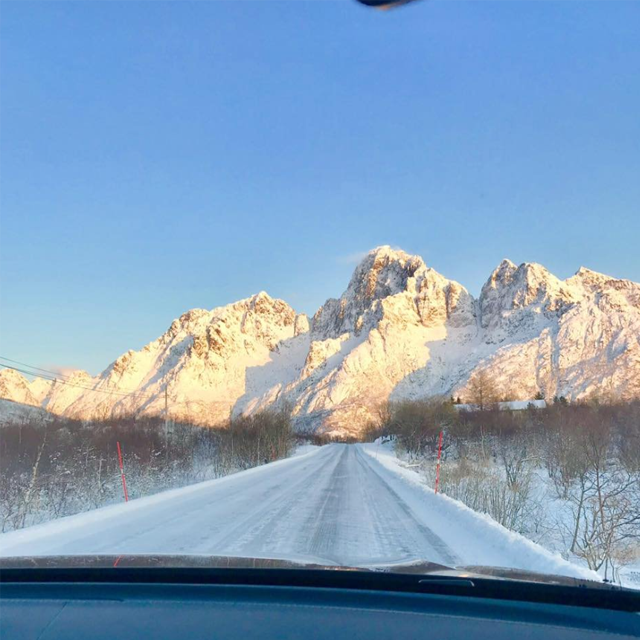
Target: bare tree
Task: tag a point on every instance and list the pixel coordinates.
(483, 390)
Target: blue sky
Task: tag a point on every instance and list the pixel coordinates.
(162, 156)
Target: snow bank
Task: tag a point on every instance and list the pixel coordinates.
(476, 538)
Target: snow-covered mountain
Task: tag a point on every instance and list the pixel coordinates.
(400, 330)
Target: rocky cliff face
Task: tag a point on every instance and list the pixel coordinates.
(400, 330)
(387, 283)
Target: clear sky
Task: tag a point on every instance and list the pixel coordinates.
(162, 156)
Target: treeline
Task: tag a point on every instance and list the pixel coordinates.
(567, 476)
(61, 467)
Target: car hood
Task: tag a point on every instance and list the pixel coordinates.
(424, 568)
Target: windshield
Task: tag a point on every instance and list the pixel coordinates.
(311, 283)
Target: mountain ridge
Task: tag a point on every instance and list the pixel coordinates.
(399, 330)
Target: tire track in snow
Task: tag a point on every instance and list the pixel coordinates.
(331, 507)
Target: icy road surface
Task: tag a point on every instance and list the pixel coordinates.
(339, 504)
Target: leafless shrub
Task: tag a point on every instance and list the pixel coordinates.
(590, 452)
(484, 489)
(67, 466)
(417, 424)
(257, 439)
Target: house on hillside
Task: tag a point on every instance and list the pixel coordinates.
(512, 405)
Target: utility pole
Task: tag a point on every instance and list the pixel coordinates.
(439, 458)
(166, 409)
(166, 419)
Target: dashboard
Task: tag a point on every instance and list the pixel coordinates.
(123, 610)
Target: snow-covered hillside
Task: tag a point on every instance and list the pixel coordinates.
(17, 413)
(400, 330)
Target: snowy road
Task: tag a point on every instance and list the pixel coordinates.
(329, 506)
(339, 504)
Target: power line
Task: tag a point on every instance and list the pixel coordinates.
(77, 386)
(30, 366)
(56, 375)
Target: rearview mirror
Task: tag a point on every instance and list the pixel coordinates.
(384, 4)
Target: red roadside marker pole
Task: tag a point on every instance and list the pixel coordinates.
(438, 463)
(124, 480)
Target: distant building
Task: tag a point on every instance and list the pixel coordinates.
(512, 405)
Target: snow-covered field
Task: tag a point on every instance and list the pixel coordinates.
(338, 504)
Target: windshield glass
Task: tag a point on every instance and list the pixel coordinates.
(314, 283)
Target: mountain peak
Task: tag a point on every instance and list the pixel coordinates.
(390, 283)
(527, 275)
(534, 273)
(14, 386)
(261, 295)
(502, 273)
(510, 288)
(387, 251)
(263, 304)
(588, 280)
(584, 273)
(12, 375)
(382, 272)
(384, 258)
